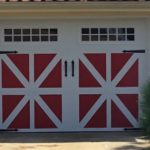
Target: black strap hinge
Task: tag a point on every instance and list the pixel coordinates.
(133, 51)
(8, 52)
(133, 129)
(7, 130)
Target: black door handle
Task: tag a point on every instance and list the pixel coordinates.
(8, 52)
(73, 67)
(66, 68)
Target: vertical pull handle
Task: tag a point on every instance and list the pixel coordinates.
(66, 68)
(73, 67)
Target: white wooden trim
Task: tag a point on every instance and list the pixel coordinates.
(28, 91)
(108, 67)
(72, 130)
(1, 103)
(108, 112)
(31, 68)
(126, 90)
(32, 113)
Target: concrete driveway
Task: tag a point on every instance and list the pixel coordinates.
(74, 141)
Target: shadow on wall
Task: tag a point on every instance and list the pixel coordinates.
(12, 137)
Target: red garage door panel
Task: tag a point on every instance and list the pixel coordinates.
(21, 62)
(117, 107)
(28, 83)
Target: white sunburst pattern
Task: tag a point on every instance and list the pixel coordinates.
(31, 91)
(109, 90)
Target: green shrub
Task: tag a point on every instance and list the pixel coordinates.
(145, 106)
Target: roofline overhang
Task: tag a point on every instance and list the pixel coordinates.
(31, 9)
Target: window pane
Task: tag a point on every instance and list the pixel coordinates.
(85, 31)
(53, 31)
(26, 31)
(53, 38)
(103, 30)
(17, 38)
(112, 37)
(17, 31)
(35, 38)
(8, 38)
(103, 37)
(26, 38)
(130, 30)
(121, 30)
(130, 37)
(121, 38)
(35, 31)
(8, 31)
(112, 30)
(94, 30)
(44, 38)
(94, 37)
(44, 31)
(85, 38)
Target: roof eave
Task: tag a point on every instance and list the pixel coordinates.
(100, 8)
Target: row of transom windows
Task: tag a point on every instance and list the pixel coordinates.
(51, 34)
(31, 35)
(108, 34)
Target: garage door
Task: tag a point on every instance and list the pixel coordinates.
(86, 90)
(109, 90)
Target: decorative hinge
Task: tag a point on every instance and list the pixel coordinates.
(133, 51)
(8, 52)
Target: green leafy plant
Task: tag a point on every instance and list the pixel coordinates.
(145, 106)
